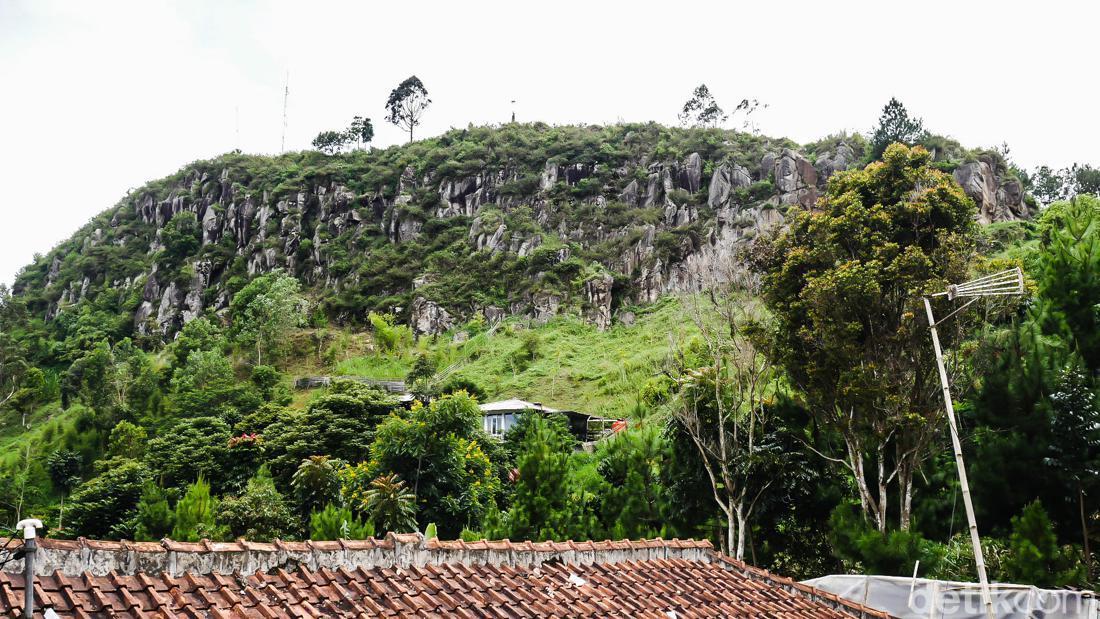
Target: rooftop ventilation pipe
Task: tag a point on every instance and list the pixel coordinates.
(28, 526)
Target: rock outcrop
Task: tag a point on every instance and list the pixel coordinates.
(997, 198)
(727, 178)
(597, 294)
(795, 178)
(429, 318)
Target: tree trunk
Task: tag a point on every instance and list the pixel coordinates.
(730, 527)
(881, 457)
(1084, 531)
(61, 515)
(905, 491)
(740, 532)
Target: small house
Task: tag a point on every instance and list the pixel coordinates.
(499, 417)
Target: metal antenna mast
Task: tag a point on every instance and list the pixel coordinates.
(1010, 282)
(286, 97)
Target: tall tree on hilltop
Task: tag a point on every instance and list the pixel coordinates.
(702, 110)
(844, 284)
(407, 103)
(331, 142)
(895, 125)
(361, 130)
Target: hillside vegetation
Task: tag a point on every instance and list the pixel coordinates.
(750, 306)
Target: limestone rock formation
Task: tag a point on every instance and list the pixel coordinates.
(829, 162)
(597, 292)
(795, 179)
(653, 219)
(726, 178)
(997, 199)
(428, 318)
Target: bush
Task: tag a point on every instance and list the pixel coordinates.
(333, 523)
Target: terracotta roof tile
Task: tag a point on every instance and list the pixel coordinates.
(405, 575)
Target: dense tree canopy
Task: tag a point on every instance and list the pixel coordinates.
(844, 283)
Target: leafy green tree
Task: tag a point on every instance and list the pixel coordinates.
(31, 393)
(155, 519)
(1034, 555)
(265, 311)
(406, 104)
(316, 482)
(266, 379)
(182, 237)
(333, 523)
(199, 334)
(702, 110)
(64, 467)
(1086, 180)
(895, 126)
(194, 517)
(1048, 185)
(340, 424)
(104, 506)
(127, 441)
(206, 385)
(423, 369)
(190, 449)
(331, 142)
(260, 513)
(844, 284)
(438, 450)
(361, 130)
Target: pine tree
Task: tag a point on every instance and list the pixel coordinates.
(544, 505)
(1036, 559)
(194, 518)
(895, 125)
(155, 517)
(334, 523)
(1075, 442)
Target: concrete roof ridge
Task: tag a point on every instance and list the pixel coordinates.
(394, 550)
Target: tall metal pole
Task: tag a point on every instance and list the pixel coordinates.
(286, 99)
(975, 540)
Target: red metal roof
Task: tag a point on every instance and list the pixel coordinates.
(449, 579)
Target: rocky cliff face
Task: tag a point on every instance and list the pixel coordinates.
(997, 197)
(581, 230)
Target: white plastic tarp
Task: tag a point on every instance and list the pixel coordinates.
(921, 598)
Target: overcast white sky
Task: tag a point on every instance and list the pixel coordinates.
(98, 97)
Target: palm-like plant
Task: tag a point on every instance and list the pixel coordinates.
(390, 505)
(316, 483)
